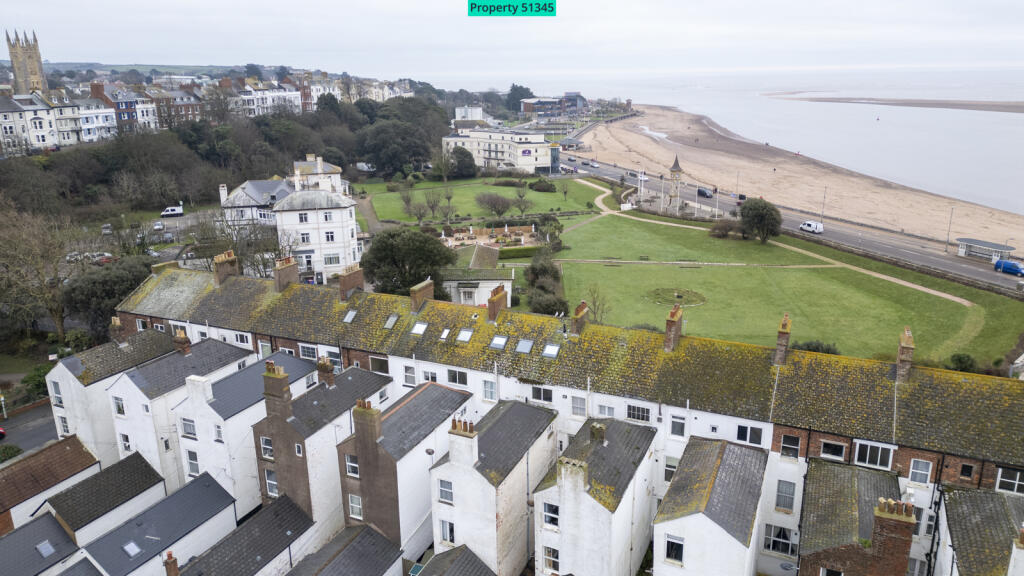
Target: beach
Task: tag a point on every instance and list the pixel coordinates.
(711, 155)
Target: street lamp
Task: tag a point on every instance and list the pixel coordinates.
(823, 204)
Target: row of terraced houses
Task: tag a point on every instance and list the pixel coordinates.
(492, 439)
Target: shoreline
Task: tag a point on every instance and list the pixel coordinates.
(975, 105)
(712, 155)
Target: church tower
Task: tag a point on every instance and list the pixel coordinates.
(26, 63)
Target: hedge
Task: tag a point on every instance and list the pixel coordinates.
(518, 252)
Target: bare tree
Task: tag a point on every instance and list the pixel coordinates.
(406, 195)
(433, 199)
(443, 163)
(495, 203)
(448, 195)
(418, 210)
(447, 212)
(565, 190)
(598, 303)
(521, 190)
(522, 204)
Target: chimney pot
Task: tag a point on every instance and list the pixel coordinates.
(904, 355)
(470, 427)
(368, 405)
(455, 424)
(224, 266)
(782, 341)
(673, 327)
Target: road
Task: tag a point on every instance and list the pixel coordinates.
(30, 430)
(890, 244)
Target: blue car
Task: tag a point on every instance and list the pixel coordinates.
(1009, 267)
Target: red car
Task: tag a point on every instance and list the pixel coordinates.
(3, 434)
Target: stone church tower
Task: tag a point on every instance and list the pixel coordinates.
(26, 63)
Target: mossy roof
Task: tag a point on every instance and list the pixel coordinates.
(982, 526)
(968, 415)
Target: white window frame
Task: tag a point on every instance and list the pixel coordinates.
(490, 390)
(781, 497)
(1015, 483)
(188, 424)
(783, 446)
(382, 395)
(271, 484)
(378, 360)
(192, 458)
(671, 465)
(924, 519)
(410, 376)
(304, 349)
(829, 572)
(298, 449)
(770, 539)
(64, 429)
(355, 506)
(681, 542)
(551, 515)
(419, 328)
(58, 399)
(241, 338)
(461, 377)
(266, 448)
(745, 434)
(445, 494)
(605, 411)
(840, 458)
(638, 413)
(915, 473)
(542, 394)
(869, 445)
(681, 421)
(126, 442)
(448, 531)
(119, 406)
(579, 406)
(310, 381)
(429, 376)
(551, 561)
(218, 433)
(917, 567)
(352, 465)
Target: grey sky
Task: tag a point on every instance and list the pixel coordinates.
(435, 40)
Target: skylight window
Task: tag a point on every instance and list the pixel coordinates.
(131, 549)
(498, 343)
(464, 335)
(45, 549)
(391, 322)
(550, 350)
(524, 346)
(419, 328)
(445, 333)
(349, 316)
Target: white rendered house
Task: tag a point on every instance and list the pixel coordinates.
(320, 228)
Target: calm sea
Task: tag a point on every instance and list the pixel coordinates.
(975, 156)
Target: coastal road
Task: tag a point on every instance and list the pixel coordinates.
(890, 244)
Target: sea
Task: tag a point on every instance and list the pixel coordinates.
(972, 155)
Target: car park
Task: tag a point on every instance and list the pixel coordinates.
(812, 226)
(153, 253)
(158, 226)
(168, 237)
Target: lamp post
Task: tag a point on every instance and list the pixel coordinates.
(949, 229)
(823, 204)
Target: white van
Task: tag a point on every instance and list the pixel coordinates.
(812, 227)
(172, 211)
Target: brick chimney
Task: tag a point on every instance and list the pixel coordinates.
(579, 317)
(199, 387)
(182, 343)
(496, 303)
(350, 281)
(782, 342)
(116, 329)
(573, 474)
(276, 392)
(171, 564)
(904, 355)
(597, 433)
(96, 91)
(224, 266)
(286, 271)
(325, 371)
(463, 447)
(892, 535)
(366, 426)
(223, 194)
(420, 293)
(673, 327)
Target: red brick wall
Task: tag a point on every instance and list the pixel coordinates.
(888, 554)
(349, 357)
(128, 325)
(788, 431)
(952, 467)
(989, 474)
(814, 444)
(902, 457)
(6, 523)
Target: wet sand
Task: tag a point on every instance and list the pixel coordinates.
(709, 154)
(979, 105)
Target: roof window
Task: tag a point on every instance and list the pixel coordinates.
(131, 549)
(498, 342)
(349, 316)
(445, 333)
(390, 323)
(550, 350)
(464, 335)
(419, 328)
(524, 346)
(45, 549)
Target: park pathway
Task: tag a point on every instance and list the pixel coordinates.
(365, 207)
(599, 201)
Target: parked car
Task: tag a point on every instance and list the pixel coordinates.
(107, 229)
(644, 178)
(172, 211)
(3, 433)
(742, 196)
(812, 226)
(571, 158)
(1009, 267)
(168, 237)
(594, 164)
(73, 257)
(153, 253)
(705, 193)
(158, 226)
(632, 174)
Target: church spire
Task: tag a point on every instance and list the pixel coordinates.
(675, 166)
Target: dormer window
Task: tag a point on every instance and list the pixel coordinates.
(499, 342)
(524, 346)
(390, 323)
(464, 335)
(349, 316)
(419, 328)
(550, 350)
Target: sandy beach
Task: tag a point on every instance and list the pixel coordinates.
(710, 154)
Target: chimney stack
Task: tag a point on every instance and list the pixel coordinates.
(325, 371)
(298, 181)
(420, 293)
(286, 271)
(366, 427)
(673, 327)
(573, 474)
(116, 329)
(276, 392)
(171, 564)
(463, 446)
(904, 355)
(181, 342)
(782, 342)
(223, 194)
(224, 266)
(597, 433)
(350, 281)
(319, 165)
(892, 534)
(310, 157)
(579, 317)
(496, 303)
(199, 387)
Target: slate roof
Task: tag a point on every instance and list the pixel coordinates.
(321, 405)
(356, 551)
(612, 464)
(407, 422)
(314, 200)
(32, 474)
(504, 435)
(936, 409)
(306, 167)
(839, 503)
(105, 360)
(459, 561)
(159, 527)
(81, 568)
(19, 554)
(254, 544)
(982, 526)
(258, 193)
(104, 491)
(721, 480)
(476, 274)
(242, 389)
(158, 377)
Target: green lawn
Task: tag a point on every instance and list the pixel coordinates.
(16, 364)
(612, 237)
(388, 205)
(861, 314)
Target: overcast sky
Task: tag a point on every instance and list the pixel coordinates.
(435, 41)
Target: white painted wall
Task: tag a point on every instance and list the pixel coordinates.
(342, 224)
(478, 296)
(22, 513)
(87, 411)
(325, 475)
(707, 549)
(123, 513)
(415, 492)
(192, 544)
